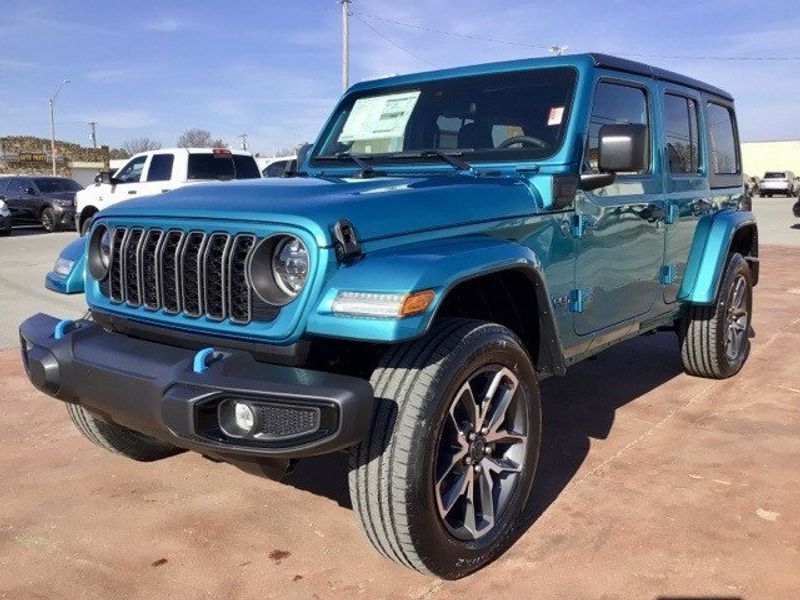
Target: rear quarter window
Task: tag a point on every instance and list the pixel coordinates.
(222, 167)
(724, 157)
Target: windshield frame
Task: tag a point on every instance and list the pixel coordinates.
(510, 157)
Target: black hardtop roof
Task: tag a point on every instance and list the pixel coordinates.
(631, 66)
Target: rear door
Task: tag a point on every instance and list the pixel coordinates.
(18, 200)
(688, 193)
(159, 176)
(620, 242)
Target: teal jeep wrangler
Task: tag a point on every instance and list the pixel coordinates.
(453, 238)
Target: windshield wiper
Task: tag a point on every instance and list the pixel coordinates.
(366, 170)
(449, 157)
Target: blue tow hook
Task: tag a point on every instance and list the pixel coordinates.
(61, 328)
(201, 359)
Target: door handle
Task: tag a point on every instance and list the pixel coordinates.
(131, 192)
(653, 212)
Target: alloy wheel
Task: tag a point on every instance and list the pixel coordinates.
(480, 454)
(737, 319)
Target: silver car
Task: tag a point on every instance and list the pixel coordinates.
(777, 182)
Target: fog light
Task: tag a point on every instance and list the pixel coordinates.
(243, 416)
(237, 418)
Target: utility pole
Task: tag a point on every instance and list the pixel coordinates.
(243, 137)
(345, 44)
(93, 133)
(51, 103)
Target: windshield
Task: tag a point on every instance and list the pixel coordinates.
(48, 185)
(774, 175)
(222, 166)
(504, 116)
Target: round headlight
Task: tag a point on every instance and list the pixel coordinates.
(290, 265)
(104, 249)
(99, 252)
(279, 268)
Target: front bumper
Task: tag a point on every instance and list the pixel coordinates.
(779, 187)
(154, 389)
(65, 216)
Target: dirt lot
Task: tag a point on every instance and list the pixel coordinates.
(652, 484)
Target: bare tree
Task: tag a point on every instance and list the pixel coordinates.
(137, 145)
(199, 138)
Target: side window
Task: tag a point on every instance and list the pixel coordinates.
(132, 172)
(16, 187)
(160, 167)
(618, 104)
(680, 131)
(276, 169)
(722, 140)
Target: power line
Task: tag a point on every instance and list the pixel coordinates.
(480, 38)
(392, 42)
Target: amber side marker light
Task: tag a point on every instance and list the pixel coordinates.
(416, 303)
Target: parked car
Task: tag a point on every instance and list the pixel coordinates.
(777, 182)
(279, 166)
(158, 171)
(460, 235)
(49, 201)
(5, 217)
(68, 270)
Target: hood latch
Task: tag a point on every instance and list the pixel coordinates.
(345, 241)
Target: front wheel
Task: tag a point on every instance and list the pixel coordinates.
(49, 220)
(715, 339)
(447, 467)
(118, 439)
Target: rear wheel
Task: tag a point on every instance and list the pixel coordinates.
(449, 462)
(49, 220)
(119, 439)
(715, 339)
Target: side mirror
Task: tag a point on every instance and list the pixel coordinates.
(104, 177)
(622, 148)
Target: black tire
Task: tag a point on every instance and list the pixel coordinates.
(85, 226)
(49, 220)
(118, 439)
(702, 331)
(392, 471)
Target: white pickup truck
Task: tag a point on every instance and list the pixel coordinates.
(157, 171)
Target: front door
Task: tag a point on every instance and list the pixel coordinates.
(129, 180)
(619, 228)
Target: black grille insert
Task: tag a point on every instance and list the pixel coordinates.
(192, 273)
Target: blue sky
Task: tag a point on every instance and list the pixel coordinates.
(272, 69)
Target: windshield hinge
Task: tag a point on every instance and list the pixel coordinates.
(345, 241)
(579, 298)
(578, 226)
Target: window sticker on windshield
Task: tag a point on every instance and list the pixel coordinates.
(556, 116)
(379, 117)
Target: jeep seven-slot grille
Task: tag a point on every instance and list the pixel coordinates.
(193, 273)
